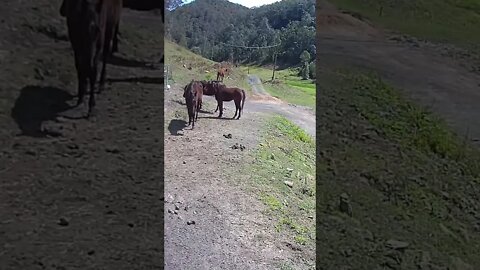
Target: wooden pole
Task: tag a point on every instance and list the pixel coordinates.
(274, 65)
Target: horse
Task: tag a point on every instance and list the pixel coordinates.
(223, 93)
(210, 88)
(192, 93)
(91, 26)
(221, 73)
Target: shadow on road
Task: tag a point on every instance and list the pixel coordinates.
(149, 80)
(124, 62)
(37, 104)
(180, 102)
(215, 117)
(207, 112)
(175, 126)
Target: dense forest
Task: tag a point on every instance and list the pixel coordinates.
(219, 30)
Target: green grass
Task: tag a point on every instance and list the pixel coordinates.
(452, 21)
(409, 177)
(287, 153)
(288, 86)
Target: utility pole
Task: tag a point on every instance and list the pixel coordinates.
(274, 64)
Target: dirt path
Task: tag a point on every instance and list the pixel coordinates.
(203, 184)
(447, 87)
(261, 101)
(78, 194)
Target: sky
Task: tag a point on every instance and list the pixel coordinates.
(248, 3)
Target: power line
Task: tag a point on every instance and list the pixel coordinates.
(250, 47)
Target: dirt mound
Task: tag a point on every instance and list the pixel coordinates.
(265, 99)
(332, 21)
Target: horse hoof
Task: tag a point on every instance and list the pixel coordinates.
(92, 114)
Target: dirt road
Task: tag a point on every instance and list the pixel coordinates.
(423, 71)
(204, 184)
(78, 194)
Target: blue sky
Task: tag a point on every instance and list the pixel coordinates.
(248, 3)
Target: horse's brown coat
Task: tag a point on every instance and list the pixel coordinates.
(91, 28)
(221, 73)
(193, 93)
(223, 93)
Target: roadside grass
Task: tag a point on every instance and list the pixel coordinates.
(452, 21)
(408, 177)
(288, 86)
(287, 153)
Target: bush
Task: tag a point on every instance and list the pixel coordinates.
(312, 70)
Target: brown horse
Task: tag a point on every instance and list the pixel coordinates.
(221, 73)
(223, 93)
(91, 26)
(193, 98)
(210, 88)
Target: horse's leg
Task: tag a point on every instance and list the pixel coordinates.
(115, 39)
(236, 110)
(82, 79)
(107, 47)
(239, 108)
(220, 107)
(193, 113)
(93, 80)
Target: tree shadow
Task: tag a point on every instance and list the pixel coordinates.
(37, 104)
(144, 79)
(117, 60)
(175, 126)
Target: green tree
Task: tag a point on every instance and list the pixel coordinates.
(305, 58)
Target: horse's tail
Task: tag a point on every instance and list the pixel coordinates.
(243, 98)
(63, 11)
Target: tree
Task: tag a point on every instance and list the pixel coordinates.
(305, 57)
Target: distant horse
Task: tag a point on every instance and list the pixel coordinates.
(193, 98)
(223, 93)
(221, 73)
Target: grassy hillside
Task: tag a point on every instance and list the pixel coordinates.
(452, 21)
(288, 86)
(411, 183)
(286, 153)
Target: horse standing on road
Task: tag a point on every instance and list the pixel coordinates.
(223, 93)
(193, 93)
(91, 27)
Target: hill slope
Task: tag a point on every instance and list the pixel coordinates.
(398, 124)
(205, 26)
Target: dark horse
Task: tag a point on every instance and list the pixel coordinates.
(221, 73)
(193, 98)
(91, 26)
(210, 89)
(223, 93)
